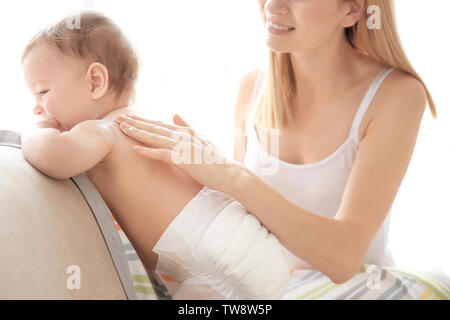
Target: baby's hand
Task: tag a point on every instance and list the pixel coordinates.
(33, 128)
(50, 123)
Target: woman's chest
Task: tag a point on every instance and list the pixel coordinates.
(313, 135)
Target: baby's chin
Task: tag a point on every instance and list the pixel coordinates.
(64, 127)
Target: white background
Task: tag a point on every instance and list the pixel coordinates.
(195, 52)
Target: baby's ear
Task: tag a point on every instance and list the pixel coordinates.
(98, 78)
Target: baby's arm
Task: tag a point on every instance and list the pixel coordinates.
(64, 155)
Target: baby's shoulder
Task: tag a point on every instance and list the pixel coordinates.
(102, 128)
(97, 135)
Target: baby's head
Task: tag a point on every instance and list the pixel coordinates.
(80, 71)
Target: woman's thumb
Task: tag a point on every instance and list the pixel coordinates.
(179, 121)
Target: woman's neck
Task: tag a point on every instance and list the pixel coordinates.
(323, 71)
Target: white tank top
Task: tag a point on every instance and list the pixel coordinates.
(319, 186)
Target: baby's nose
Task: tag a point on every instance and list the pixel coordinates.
(38, 110)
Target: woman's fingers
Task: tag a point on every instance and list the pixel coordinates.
(180, 148)
(149, 138)
(149, 127)
(176, 135)
(186, 134)
(156, 127)
(134, 117)
(179, 121)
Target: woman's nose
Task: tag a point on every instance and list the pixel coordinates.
(276, 6)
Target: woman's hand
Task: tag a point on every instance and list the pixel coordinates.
(182, 146)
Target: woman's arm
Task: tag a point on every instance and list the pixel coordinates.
(242, 108)
(337, 246)
(325, 243)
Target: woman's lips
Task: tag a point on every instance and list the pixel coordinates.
(279, 24)
(276, 28)
(275, 31)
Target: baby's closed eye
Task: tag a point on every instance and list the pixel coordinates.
(43, 92)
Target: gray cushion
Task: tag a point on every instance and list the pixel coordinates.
(47, 225)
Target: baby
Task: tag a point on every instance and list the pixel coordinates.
(82, 78)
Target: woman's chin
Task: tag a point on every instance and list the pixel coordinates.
(279, 49)
(278, 46)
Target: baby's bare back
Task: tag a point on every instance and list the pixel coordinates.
(143, 195)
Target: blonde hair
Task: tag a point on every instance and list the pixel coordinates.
(383, 45)
(96, 39)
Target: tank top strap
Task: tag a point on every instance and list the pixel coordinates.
(256, 90)
(367, 100)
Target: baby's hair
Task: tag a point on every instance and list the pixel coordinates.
(95, 38)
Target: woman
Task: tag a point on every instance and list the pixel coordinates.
(334, 168)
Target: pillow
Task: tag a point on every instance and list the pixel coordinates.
(52, 245)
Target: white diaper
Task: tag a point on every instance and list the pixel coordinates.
(215, 249)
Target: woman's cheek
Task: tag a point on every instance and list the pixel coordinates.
(316, 26)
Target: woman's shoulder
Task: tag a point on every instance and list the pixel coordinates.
(402, 90)
(400, 98)
(244, 97)
(400, 95)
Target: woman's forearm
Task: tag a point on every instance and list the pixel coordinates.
(325, 243)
